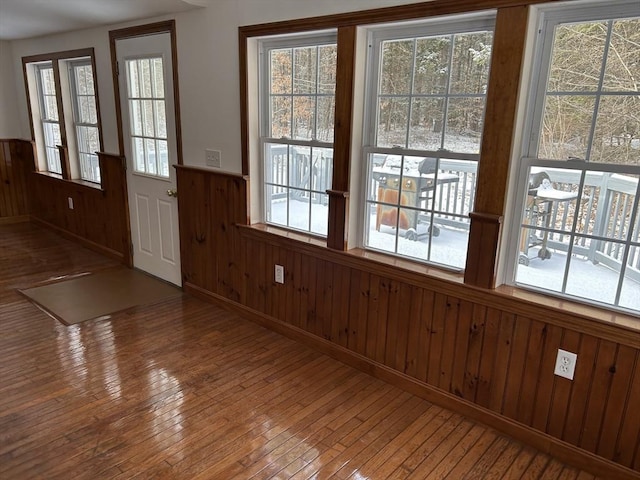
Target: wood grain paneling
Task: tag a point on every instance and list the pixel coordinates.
(100, 216)
(16, 162)
(210, 206)
(496, 356)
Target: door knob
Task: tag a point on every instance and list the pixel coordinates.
(172, 192)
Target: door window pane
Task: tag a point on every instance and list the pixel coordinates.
(147, 113)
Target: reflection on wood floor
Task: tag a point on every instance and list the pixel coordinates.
(183, 389)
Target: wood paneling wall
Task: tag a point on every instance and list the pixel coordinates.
(15, 165)
(497, 353)
(99, 218)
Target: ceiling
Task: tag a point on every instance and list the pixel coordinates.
(32, 18)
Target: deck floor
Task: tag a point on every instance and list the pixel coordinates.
(184, 389)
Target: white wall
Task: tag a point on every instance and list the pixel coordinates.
(9, 116)
(208, 68)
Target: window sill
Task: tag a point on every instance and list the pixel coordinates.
(597, 318)
(82, 183)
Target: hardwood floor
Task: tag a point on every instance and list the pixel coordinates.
(183, 389)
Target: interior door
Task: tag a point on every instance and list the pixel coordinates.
(149, 134)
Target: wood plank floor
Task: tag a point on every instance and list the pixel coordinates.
(183, 389)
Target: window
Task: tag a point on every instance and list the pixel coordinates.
(49, 117)
(580, 227)
(145, 92)
(65, 115)
(297, 88)
(427, 86)
(85, 116)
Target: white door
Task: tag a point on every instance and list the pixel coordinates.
(149, 133)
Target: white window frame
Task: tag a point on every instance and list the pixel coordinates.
(51, 151)
(89, 170)
(438, 26)
(265, 45)
(548, 18)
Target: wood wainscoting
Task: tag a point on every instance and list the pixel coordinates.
(99, 218)
(14, 172)
(481, 352)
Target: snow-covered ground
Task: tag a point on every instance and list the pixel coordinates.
(585, 279)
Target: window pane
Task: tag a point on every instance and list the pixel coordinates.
(280, 117)
(304, 117)
(319, 213)
(427, 117)
(148, 122)
(88, 79)
(281, 71)
(87, 110)
(52, 134)
(327, 69)
(50, 108)
(135, 115)
(583, 280)
(304, 67)
(133, 79)
(471, 61)
(565, 126)
(277, 205)
(161, 119)
(151, 156)
(300, 167)
(397, 64)
(144, 71)
(158, 77)
(277, 164)
(623, 68)
(393, 122)
(577, 57)
(47, 81)
(464, 125)
(432, 65)
(163, 158)
(325, 116)
(138, 154)
(617, 133)
(299, 209)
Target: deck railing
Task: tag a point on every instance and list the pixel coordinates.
(604, 209)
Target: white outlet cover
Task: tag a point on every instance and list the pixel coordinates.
(279, 274)
(566, 364)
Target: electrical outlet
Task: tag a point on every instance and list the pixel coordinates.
(70, 203)
(279, 274)
(566, 364)
(213, 158)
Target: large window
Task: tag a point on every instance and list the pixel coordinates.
(85, 116)
(49, 118)
(65, 113)
(427, 89)
(580, 227)
(297, 87)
